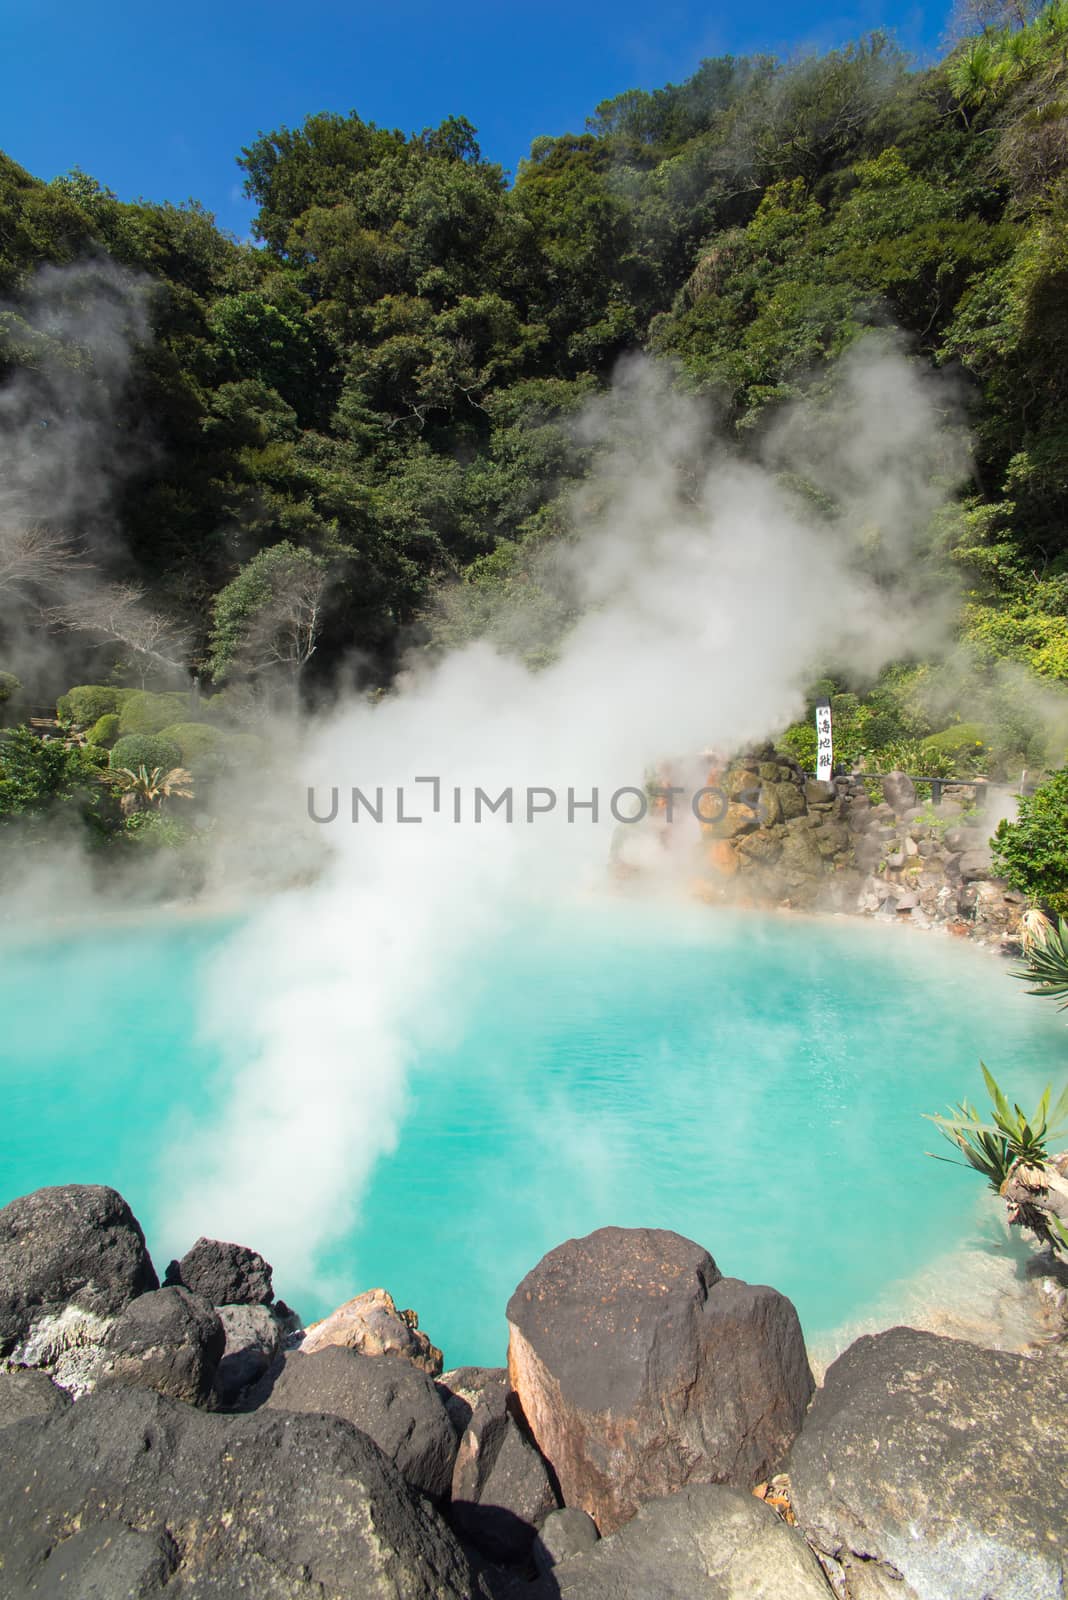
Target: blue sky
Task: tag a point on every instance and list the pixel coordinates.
(156, 100)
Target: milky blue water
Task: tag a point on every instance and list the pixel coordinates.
(756, 1083)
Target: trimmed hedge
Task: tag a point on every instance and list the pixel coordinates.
(105, 730)
(145, 712)
(145, 750)
(201, 745)
(963, 738)
(9, 685)
(86, 703)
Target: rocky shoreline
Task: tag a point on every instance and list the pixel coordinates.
(655, 1434)
(851, 845)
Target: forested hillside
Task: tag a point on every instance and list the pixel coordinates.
(347, 438)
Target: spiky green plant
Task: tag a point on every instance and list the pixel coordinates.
(994, 1148)
(1045, 956)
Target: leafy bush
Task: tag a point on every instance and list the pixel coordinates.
(135, 750)
(201, 745)
(1032, 852)
(965, 743)
(144, 712)
(40, 776)
(88, 702)
(9, 685)
(157, 829)
(105, 730)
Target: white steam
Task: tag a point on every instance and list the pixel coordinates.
(711, 597)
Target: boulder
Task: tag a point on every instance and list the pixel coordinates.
(223, 1274)
(974, 865)
(640, 1369)
(820, 792)
(464, 1388)
(108, 1559)
(501, 1487)
(71, 1258)
(273, 1505)
(564, 1533)
(26, 1393)
(253, 1341)
(932, 1469)
(371, 1324)
(389, 1399)
(707, 1541)
(168, 1340)
(899, 792)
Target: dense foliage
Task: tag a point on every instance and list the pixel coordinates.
(354, 435)
(1032, 852)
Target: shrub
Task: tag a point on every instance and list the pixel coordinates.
(145, 750)
(200, 744)
(40, 776)
(158, 830)
(144, 712)
(88, 702)
(1032, 852)
(9, 685)
(105, 730)
(964, 742)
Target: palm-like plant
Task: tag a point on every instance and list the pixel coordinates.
(995, 1148)
(144, 790)
(1045, 953)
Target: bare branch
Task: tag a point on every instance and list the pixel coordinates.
(33, 556)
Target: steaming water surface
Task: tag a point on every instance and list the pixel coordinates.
(754, 1082)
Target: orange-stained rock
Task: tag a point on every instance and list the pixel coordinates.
(640, 1369)
(721, 857)
(371, 1324)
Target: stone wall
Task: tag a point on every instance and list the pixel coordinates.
(785, 839)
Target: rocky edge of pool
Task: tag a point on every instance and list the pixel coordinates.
(656, 1433)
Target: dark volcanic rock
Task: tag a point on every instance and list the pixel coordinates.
(106, 1561)
(706, 1541)
(464, 1388)
(223, 1274)
(253, 1342)
(24, 1393)
(392, 1401)
(640, 1369)
(168, 1340)
(940, 1462)
(272, 1505)
(564, 1533)
(501, 1488)
(76, 1248)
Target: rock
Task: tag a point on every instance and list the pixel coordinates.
(818, 792)
(895, 860)
(253, 1341)
(71, 1258)
(974, 865)
(26, 1393)
(737, 819)
(639, 1369)
(272, 1504)
(372, 1325)
(763, 846)
(712, 1542)
(501, 1488)
(906, 902)
(464, 1388)
(223, 1274)
(790, 798)
(743, 783)
(564, 1533)
(168, 1340)
(933, 1468)
(107, 1560)
(385, 1396)
(899, 792)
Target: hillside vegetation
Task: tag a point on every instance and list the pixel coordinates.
(353, 436)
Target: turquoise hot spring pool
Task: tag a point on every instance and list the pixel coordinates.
(754, 1082)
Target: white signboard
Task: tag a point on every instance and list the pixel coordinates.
(824, 745)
